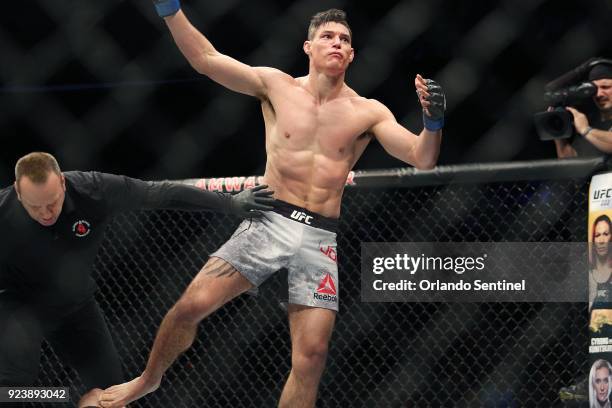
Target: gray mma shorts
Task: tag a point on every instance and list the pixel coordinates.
(293, 238)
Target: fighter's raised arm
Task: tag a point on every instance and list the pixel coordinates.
(205, 59)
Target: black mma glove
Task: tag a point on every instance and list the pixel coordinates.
(249, 203)
(435, 120)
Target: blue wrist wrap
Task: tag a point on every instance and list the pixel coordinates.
(432, 124)
(167, 8)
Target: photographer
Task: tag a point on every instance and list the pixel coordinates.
(595, 136)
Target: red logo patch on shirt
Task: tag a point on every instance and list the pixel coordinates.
(81, 228)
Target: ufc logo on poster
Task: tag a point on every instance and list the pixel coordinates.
(601, 194)
(329, 252)
(301, 217)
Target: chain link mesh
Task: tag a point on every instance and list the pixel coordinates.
(381, 354)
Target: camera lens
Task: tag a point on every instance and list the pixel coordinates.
(555, 124)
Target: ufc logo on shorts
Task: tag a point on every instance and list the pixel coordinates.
(301, 217)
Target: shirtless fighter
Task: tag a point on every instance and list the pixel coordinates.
(316, 129)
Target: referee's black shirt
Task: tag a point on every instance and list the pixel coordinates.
(51, 266)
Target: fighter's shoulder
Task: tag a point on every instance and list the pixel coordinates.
(269, 74)
(369, 106)
(359, 101)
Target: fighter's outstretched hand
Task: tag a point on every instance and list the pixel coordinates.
(250, 202)
(433, 101)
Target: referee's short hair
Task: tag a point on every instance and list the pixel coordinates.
(36, 166)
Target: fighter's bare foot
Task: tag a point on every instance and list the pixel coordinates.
(122, 394)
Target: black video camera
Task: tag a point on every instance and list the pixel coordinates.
(565, 90)
(559, 123)
(570, 95)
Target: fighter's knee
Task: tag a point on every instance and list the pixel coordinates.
(310, 356)
(193, 308)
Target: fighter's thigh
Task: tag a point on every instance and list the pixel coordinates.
(22, 335)
(311, 328)
(313, 272)
(259, 247)
(217, 283)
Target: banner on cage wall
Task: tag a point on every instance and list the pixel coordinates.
(600, 289)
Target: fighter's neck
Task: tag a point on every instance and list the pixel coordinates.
(324, 87)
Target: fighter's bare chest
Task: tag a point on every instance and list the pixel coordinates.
(304, 121)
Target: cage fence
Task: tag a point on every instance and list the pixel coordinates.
(381, 354)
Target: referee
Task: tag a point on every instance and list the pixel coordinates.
(51, 225)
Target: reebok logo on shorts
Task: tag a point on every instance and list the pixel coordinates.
(326, 290)
(327, 285)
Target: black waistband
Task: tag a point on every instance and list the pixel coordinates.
(299, 214)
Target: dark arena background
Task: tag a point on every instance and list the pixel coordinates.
(101, 85)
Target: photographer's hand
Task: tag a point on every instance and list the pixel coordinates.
(581, 123)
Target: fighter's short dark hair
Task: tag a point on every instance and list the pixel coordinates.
(328, 16)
